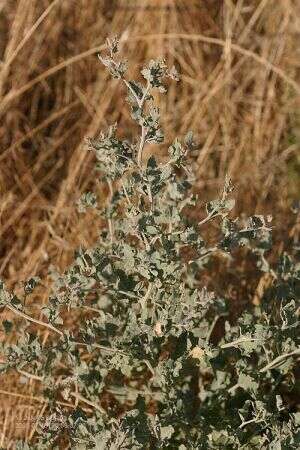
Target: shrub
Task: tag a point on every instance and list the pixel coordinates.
(140, 362)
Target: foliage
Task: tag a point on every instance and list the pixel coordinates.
(143, 339)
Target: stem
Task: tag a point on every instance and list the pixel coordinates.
(140, 103)
(145, 241)
(30, 375)
(144, 129)
(150, 196)
(89, 308)
(31, 397)
(208, 217)
(132, 91)
(250, 421)
(88, 402)
(147, 363)
(210, 251)
(31, 319)
(127, 389)
(239, 341)
(141, 147)
(278, 360)
(101, 347)
(128, 294)
(212, 327)
(145, 94)
(146, 296)
(126, 194)
(110, 223)
(56, 330)
(233, 388)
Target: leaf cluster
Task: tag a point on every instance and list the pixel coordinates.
(143, 338)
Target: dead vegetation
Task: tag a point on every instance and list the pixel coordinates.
(239, 62)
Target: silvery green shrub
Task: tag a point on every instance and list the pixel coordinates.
(140, 364)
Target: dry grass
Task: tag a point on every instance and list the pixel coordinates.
(240, 88)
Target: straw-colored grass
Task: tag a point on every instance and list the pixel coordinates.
(239, 92)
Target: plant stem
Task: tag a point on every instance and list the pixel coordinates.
(141, 147)
(110, 223)
(207, 218)
(101, 347)
(250, 421)
(279, 359)
(88, 402)
(30, 375)
(240, 341)
(31, 319)
(146, 296)
(56, 330)
(212, 327)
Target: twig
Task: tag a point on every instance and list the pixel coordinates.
(212, 327)
(208, 217)
(110, 223)
(147, 363)
(140, 103)
(89, 308)
(31, 376)
(31, 319)
(279, 359)
(233, 388)
(150, 196)
(141, 147)
(30, 397)
(101, 347)
(240, 341)
(126, 193)
(250, 421)
(78, 396)
(51, 327)
(31, 434)
(143, 301)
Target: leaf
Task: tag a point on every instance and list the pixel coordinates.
(197, 353)
(173, 74)
(166, 432)
(30, 284)
(247, 382)
(16, 301)
(113, 44)
(87, 200)
(7, 325)
(151, 163)
(229, 204)
(151, 230)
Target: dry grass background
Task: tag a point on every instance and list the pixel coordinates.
(239, 92)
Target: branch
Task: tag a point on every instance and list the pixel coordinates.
(141, 147)
(144, 129)
(208, 217)
(88, 402)
(143, 301)
(101, 347)
(31, 376)
(56, 330)
(110, 223)
(31, 319)
(240, 341)
(255, 420)
(279, 359)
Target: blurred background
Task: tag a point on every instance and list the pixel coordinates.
(239, 93)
